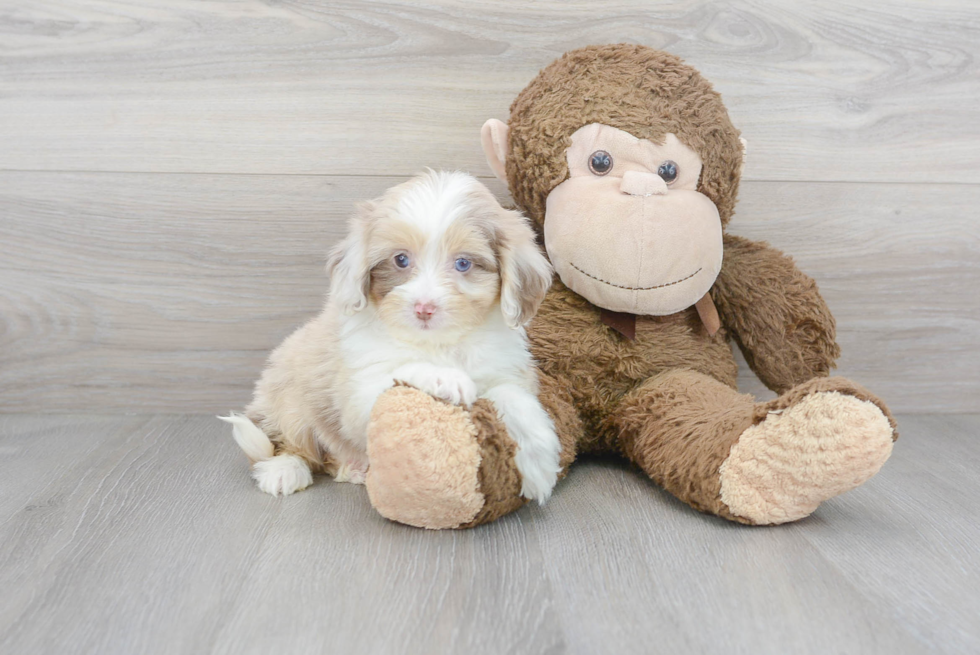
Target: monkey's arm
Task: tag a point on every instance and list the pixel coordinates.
(775, 313)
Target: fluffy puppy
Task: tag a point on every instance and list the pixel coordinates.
(432, 287)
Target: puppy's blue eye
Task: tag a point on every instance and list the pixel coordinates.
(402, 260)
(463, 264)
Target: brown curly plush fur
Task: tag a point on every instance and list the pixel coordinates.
(679, 428)
(500, 482)
(596, 367)
(775, 314)
(645, 92)
(667, 399)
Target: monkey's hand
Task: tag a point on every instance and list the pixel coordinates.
(775, 313)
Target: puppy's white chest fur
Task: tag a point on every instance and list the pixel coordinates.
(460, 372)
(484, 354)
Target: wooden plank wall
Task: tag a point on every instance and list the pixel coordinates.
(172, 172)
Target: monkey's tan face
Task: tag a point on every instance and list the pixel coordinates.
(628, 229)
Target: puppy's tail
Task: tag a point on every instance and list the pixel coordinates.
(250, 437)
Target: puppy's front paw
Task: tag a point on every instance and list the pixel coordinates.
(539, 474)
(282, 474)
(454, 386)
(449, 384)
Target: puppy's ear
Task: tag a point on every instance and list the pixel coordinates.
(525, 274)
(348, 266)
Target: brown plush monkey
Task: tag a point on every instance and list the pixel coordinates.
(628, 161)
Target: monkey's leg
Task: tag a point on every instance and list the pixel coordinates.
(757, 463)
(435, 465)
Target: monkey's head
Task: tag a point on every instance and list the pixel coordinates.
(627, 158)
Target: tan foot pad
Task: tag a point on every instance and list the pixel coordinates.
(779, 470)
(424, 461)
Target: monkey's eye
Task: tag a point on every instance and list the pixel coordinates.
(463, 264)
(668, 171)
(402, 260)
(600, 162)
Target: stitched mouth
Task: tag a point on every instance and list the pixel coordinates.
(620, 286)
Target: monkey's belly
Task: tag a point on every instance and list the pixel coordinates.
(598, 365)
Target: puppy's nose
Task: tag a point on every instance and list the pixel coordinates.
(640, 183)
(425, 310)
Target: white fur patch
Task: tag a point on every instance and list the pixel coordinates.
(450, 384)
(437, 198)
(282, 475)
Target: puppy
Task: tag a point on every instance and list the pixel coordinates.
(432, 287)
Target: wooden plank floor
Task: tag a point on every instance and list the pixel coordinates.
(143, 534)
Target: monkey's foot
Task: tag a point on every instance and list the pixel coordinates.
(436, 465)
(810, 445)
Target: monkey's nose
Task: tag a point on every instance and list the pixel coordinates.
(640, 183)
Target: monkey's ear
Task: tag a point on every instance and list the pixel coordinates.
(496, 146)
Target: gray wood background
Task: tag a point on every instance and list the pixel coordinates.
(172, 172)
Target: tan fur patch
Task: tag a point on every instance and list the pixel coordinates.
(532, 285)
(391, 236)
(480, 286)
(385, 277)
(525, 274)
(467, 238)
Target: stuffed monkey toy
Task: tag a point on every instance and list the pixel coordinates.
(627, 161)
